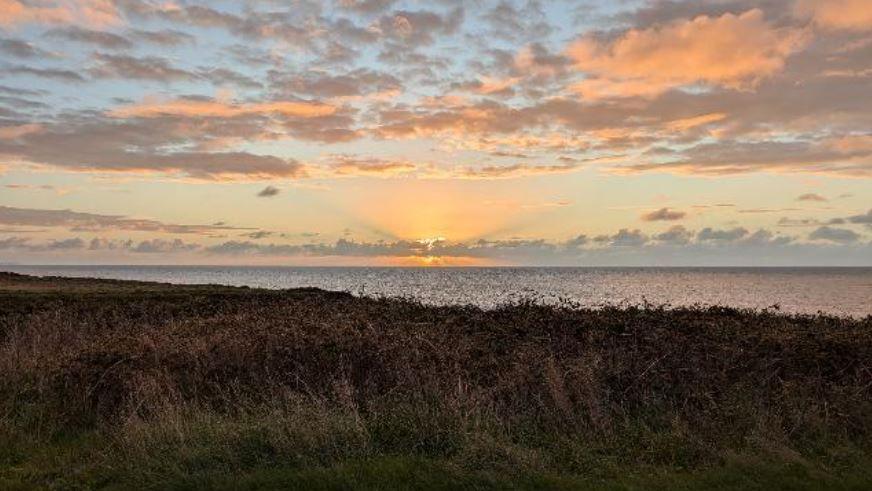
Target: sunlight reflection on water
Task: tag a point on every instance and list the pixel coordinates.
(844, 291)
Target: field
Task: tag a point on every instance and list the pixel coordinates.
(122, 385)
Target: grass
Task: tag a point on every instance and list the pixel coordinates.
(122, 385)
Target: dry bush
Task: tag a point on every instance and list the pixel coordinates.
(316, 375)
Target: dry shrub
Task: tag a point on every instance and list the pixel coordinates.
(318, 374)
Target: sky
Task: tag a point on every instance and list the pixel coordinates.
(442, 132)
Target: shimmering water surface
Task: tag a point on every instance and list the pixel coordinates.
(843, 291)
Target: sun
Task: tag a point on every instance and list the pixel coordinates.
(432, 261)
(431, 242)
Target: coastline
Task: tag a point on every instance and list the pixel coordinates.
(804, 290)
(117, 384)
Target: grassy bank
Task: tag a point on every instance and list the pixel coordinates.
(125, 385)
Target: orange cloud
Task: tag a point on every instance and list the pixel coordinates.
(219, 109)
(606, 88)
(515, 171)
(855, 15)
(344, 165)
(17, 131)
(851, 144)
(736, 51)
(87, 12)
(689, 123)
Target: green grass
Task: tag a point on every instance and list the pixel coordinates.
(201, 452)
(404, 472)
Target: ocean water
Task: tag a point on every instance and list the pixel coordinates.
(841, 291)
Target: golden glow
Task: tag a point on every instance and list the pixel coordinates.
(439, 261)
(431, 241)
(429, 209)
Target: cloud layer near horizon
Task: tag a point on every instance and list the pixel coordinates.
(675, 245)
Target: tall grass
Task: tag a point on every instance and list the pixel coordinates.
(151, 385)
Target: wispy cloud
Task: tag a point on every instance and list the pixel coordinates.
(82, 221)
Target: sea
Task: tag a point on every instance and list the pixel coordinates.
(837, 291)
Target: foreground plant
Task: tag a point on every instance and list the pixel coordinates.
(108, 384)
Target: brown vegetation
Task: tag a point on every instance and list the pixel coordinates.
(314, 377)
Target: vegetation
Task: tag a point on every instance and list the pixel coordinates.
(121, 385)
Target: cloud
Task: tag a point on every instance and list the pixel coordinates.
(577, 241)
(419, 28)
(676, 235)
(852, 15)
(183, 146)
(490, 86)
(684, 124)
(727, 157)
(260, 234)
(833, 234)
(799, 222)
(269, 192)
(82, 221)
(677, 245)
(163, 37)
(367, 6)
(286, 25)
(221, 109)
(13, 243)
(679, 86)
(84, 12)
(18, 131)
(766, 210)
(60, 191)
(155, 246)
(535, 60)
(764, 237)
(160, 246)
(709, 234)
(736, 51)
(344, 165)
(865, 218)
(401, 248)
(485, 117)
(624, 238)
(811, 197)
(102, 244)
(355, 83)
(137, 68)
(103, 39)
(20, 103)
(508, 22)
(45, 187)
(514, 171)
(17, 91)
(663, 214)
(20, 49)
(18, 243)
(51, 73)
(66, 244)
(224, 76)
